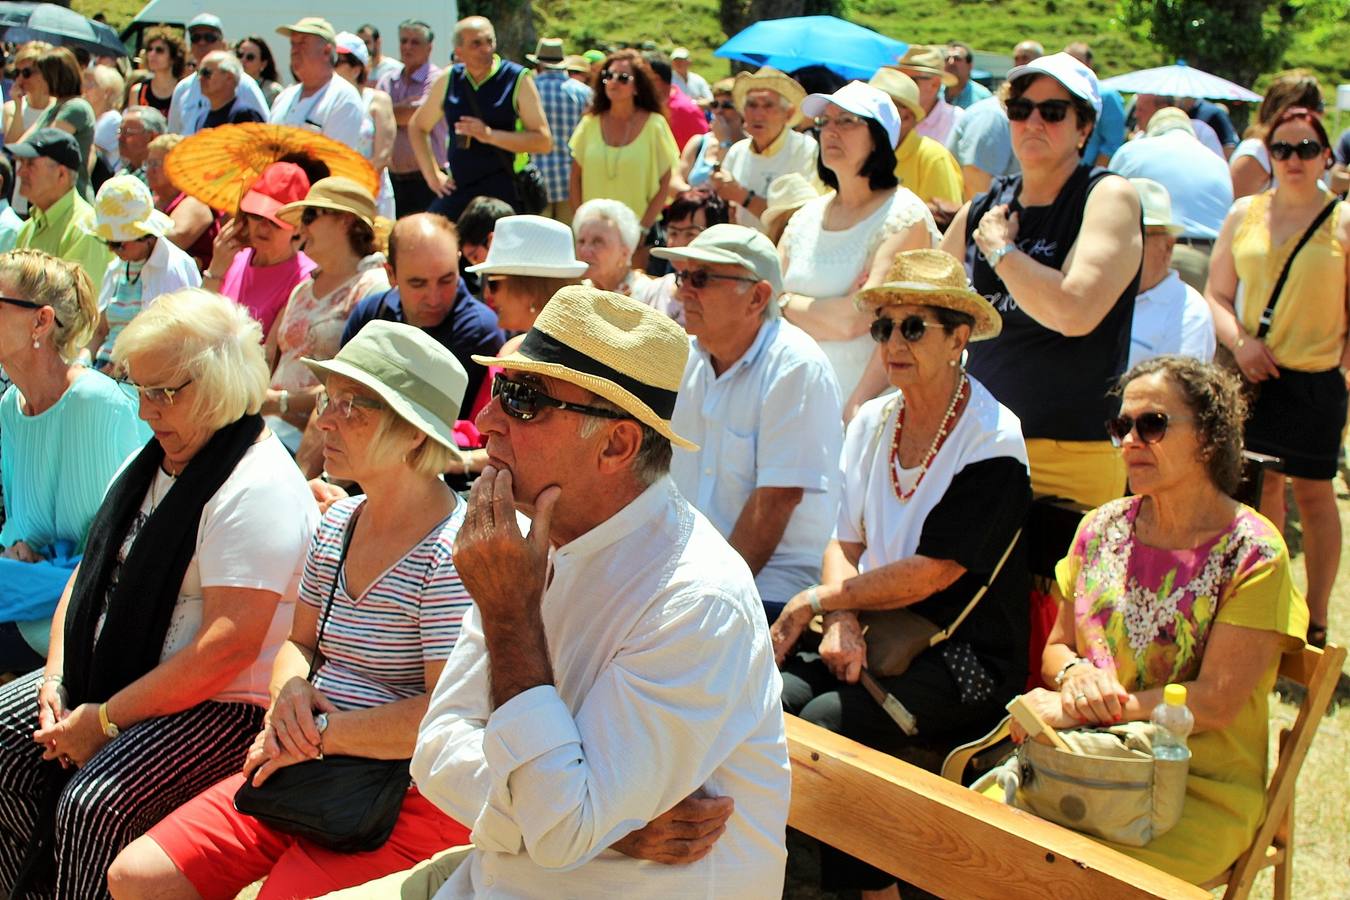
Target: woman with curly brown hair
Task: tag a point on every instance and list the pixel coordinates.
(1179, 584)
(623, 148)
(165, 58)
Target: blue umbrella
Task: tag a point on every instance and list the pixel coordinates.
(789, 44)
(23, 22)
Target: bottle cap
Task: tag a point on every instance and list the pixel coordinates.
(1175, 695)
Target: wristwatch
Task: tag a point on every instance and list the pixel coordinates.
(749, 198)
(321, 723)
(109, 729)
(996, 257)
(284, 402)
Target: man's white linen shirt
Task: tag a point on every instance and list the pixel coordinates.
(665, 684)
(791, 151)
(771, 420)
(1171, 317)
(188, 107)
(335, 110)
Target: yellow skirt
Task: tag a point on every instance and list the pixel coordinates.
(1088, 472)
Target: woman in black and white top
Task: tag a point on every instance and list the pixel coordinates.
(935, 491)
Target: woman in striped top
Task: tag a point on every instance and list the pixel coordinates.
(375, 624)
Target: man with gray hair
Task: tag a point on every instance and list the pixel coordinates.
(321, 100)
(140, 125)
(762, 402)
(189, 104)
(220, 73)
(1026, 51)
(407, 90)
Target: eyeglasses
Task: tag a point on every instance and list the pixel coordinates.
(723, 104)
(249, 57)
(912, 328)
(128, 132)
(620, 77)
(343, 406)
(156, 48)
(29, 304)
(1052, 111)
(1150, 426)
(205, 37)
(698, 278)
(24, 72)
(205, 72)
(522, 401)
(845, 122)
(958, 57)
(160, 396)
(1306, 149)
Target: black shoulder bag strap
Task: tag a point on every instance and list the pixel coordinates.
(505, 157)
(347, 533)
(1268, 314)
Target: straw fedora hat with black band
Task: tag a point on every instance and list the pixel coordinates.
(932, 278)
(548, 53)
(336, 194)
(926, 60)
(769, 79)
(612, 346)
(409, 370)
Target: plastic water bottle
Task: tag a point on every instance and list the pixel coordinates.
(1174, 723)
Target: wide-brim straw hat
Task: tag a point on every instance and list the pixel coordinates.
(333, 193)
(412, 372)
(933, 278)
(769, 79)
(900, 88)
(612, 346)
(125, 211)
(927, 60)
(548, 53)
(533, 246)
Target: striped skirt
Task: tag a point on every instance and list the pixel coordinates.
(137, 779)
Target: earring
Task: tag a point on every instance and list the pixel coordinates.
(36, 344)
(952, 363)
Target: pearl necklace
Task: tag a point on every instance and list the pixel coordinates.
(962, 391)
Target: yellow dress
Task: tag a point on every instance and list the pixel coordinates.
(1148, 613)
(631, 173)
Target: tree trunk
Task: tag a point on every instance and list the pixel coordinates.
(513, 21)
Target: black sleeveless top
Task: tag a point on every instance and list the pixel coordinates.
(493, 101)
(1058, 386)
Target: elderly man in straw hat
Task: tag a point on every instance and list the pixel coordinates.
(1170, 316)
(761, 399)
(615, 674)
(769, 102)
(927, 66)
(922, 164)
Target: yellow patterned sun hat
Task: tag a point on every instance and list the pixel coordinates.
(125, 211)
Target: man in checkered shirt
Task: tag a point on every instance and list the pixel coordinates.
(564, 100)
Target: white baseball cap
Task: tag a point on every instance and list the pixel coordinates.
(1077, 78)
(861, 100)
(680, 53)
(346, 42)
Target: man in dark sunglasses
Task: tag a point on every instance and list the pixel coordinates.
(761, 400)
(615, 662)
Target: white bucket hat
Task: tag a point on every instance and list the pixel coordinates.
(532, 246)
(125, 211)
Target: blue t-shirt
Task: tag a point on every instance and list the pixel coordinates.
(1198, 181)
(1214, 115)
(982, 138)
(971, 94)
(470, 328)
(1110, 131)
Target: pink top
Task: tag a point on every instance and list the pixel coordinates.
(263, 290)
(686, 119)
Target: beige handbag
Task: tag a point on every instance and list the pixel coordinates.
(1110, 787)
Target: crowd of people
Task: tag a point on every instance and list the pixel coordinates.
(618, 413)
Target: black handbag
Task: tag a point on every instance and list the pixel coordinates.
(531, 193)
(345, 803)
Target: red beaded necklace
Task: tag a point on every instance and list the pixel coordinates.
(961, 393)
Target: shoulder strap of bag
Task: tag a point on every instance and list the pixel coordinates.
(347, 533)
(979, 595)
(1268, 314)
(505, 157)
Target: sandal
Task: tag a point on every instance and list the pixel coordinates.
(1317, 636)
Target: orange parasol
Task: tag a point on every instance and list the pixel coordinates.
(218, 165)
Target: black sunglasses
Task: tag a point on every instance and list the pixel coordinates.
(522, 401)
(114, 246)
(912, 328)
(723, 104)
(698, 278)
(248, 57)
(310, 214)
(620, 77)
(1052, 111)
(204, 37)
(491, 284)
(1151, 427)
(25, 72)
(1306, 149)
(29, 304)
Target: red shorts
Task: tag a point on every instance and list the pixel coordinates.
(221, 850)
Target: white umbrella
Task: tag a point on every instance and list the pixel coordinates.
(1179, 81)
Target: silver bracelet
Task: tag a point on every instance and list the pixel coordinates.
(813, 597)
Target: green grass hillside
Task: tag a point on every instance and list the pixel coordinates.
(1321, 44)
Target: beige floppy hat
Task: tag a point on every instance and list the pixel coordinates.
(926, 60)
(769, 79)
(900, 88)
(333, 193)
(612, 346)
(933, 278)
(787, 194)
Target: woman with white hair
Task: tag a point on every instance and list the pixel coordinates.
(46, 316)
(104, 88)
(157, 675)
(608, 233)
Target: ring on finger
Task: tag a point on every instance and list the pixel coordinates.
(1080, 696)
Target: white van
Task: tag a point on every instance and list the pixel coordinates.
(262, 17)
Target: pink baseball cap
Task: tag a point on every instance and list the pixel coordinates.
(279, 184)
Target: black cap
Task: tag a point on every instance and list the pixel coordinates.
(53, 143)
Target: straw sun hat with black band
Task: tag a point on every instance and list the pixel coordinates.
(612, 346)
(932, 278)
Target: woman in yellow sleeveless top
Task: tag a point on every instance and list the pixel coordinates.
(1298, 366)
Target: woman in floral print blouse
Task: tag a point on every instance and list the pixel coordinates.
(1179, 584)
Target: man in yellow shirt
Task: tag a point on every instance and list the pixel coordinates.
(922, 164)
(61, 222)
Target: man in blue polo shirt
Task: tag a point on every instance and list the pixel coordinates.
(428, 293)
